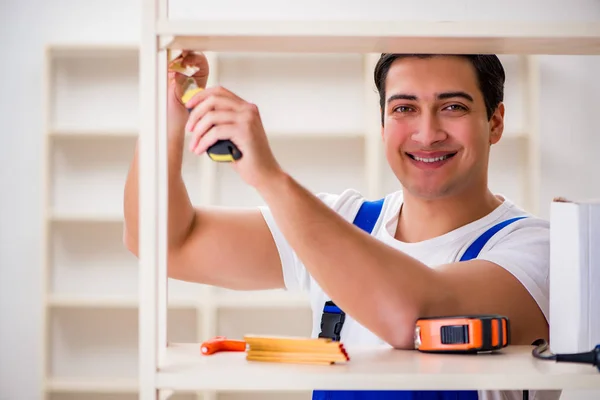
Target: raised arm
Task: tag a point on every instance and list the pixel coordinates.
(222, 247)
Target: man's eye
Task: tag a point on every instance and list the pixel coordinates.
(403, 109)
(455, 107)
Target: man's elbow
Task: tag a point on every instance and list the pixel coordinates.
(175, 267)
(399, 327)
(131, 243)
(402, 342)
(401, 337)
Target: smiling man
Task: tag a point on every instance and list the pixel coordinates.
(385, 263)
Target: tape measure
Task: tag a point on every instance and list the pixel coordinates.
(462, 334)
(222, 150)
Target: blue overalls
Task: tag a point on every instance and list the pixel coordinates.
(365, 219)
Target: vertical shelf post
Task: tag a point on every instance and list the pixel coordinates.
(46, 256)
(530, 82)
(208, 172)
(162, 202)
(162, 190)
(152, 199)
(372, 130)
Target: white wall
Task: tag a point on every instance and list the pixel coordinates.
(571, 139)
(568, 104)
(23, 37)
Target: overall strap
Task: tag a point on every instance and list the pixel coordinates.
(368, 214)
(332, 319)
(475, 247)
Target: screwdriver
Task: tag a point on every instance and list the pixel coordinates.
(222, 150)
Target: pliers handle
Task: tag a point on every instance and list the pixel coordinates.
(221, 343)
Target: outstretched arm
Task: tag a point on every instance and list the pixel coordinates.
(385, 289)
(222, 247)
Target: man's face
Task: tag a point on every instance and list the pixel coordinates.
(436, 132)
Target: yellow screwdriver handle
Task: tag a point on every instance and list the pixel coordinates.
(222, 150)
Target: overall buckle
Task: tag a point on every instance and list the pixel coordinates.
(332, 321)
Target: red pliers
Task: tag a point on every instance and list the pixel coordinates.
(221, 343)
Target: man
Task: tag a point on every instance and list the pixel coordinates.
(440, 116)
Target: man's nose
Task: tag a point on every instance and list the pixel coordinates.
(429, 130)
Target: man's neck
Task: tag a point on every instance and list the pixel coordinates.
(425, 219)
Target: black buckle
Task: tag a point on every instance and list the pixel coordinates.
(332, 321)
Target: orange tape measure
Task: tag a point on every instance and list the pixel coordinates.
(462, 334)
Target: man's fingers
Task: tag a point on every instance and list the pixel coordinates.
(193, 59)
(219, 132)
(190, 59)
(209, 104)
(176, 79)
(211, 120)
(217, 91)
(199, 61)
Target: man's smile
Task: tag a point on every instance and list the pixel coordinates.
(430, 160)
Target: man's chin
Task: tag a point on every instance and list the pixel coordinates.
(432, 192)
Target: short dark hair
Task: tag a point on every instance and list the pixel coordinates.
(489, 70)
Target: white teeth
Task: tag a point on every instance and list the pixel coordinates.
(430, 160)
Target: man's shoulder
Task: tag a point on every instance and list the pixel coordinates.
(524, 223)
(348, 201)
(520, 233)
(523, 249)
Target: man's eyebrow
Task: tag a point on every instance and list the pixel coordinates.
(441, 96)
(449, 95)
(401, 96)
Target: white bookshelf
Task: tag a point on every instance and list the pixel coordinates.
(320, 110)
(91, 280)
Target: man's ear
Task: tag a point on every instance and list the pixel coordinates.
(497, 124)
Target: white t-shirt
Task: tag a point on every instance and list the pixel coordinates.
(522, 248)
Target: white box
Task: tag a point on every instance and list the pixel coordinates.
(574, 275)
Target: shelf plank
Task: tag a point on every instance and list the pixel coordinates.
(371, 369)
(383, 36)
(108, 301)
(92, 49)
(241, 301)
(278, 135)
(87, 133)
(127, 133)
(64, 216)
(262, 300)
(92, 385)
(89, 301)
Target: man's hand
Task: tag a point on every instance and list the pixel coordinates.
(219, 114)
(177, 113)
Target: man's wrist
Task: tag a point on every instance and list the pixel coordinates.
(274, 184)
